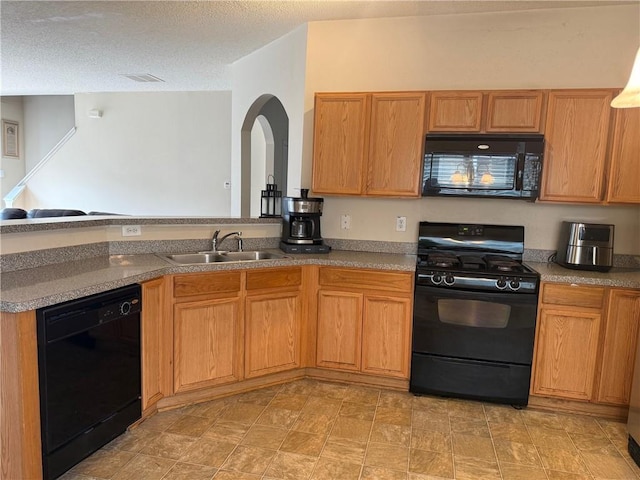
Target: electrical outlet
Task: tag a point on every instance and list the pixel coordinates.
(131, 230)
(401, 224)
(345, 222)
(227, 184)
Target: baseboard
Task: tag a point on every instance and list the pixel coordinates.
(613, 412)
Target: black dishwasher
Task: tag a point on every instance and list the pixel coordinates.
(89, 373)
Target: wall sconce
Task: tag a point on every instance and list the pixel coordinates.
(487, 178)
(461, 175)
(630, 95)
(271, 200)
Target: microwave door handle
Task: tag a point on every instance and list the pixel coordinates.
(519, 171)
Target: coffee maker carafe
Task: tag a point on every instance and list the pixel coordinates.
(301, 224)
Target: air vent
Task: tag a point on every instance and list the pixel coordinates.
(142, 77)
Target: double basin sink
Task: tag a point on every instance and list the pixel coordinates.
(221, 256)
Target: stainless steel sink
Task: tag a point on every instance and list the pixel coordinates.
(215, 257)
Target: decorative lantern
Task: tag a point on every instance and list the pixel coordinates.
(271, 200)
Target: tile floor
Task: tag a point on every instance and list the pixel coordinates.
(317, 430)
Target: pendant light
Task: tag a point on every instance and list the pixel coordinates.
(630, 96)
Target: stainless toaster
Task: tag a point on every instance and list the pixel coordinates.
(585, 246)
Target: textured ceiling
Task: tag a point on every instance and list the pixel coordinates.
(60, 47)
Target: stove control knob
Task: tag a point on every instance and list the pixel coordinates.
(436, 278)
(501, 283)
(514, 285)
(125, 308)
(448, 280)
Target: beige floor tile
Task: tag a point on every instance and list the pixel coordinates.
(473, 446)
(230, 475)
(242, 412)
(329, 469)
(303, 443)
(513, 432)
(248, 459)
(476, 469)
(387, 456)
(314, 423)
(521, 472)
(392, 434)
(263, 436)
(278, 417)
(431, 404)
(227, 431)
(161, 421)
(431, 463)
(289, 401)
(470, 426)
(558, 475)
(394, 416)
(608, 466)
(361, 395)
(144, 467)
(210, 409)
(357, 410)
(465, 408)
(168, 445)
(185, 471)
(76, 476)
(537, 418)
(133, 440)
(303, 386)
(290, 466)
(429, 420)
(325, 406)
(593, 444)
(563, 460)
(502, 414)
(344, 449)
(103, 463)
(580, 424)
(550, 438)
(612, 428)
(517, 453)
(260, 397)
(330, 390)
(191, 426)
(431, 440)
(352, 429)
(379, 473)
(208, 451)
(395, 399)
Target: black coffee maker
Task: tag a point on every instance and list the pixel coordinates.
(301, 224)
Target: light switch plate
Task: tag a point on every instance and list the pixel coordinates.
(345, 222)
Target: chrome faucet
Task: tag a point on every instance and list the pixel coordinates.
(215, 242)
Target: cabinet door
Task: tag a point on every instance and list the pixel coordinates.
(455, 111)
(514, 111)
(340, 140)
(619, 346)
(207, 338)
(386, 336)
(339, 334)
(624, 183)
(576, 136)
(156, 343)
(396, 144)
(566, 352)
(272, 333)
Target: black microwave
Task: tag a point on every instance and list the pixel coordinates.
(483, 165)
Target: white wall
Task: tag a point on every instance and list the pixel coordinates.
(277, 69)
(13, 169)
(47, 118)
(566, 48)
(160, 153)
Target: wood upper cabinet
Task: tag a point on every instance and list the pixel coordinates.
(340, 142)
(156, 343)
(364, 321)
(586, 343)
(619, 346)
(624, 175)
(576, 145)
(368, 143)
(491, 111)
(272, 321)
(207, 330)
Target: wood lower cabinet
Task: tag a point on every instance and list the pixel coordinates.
(364, 321)
(273, 319)
(586, 343)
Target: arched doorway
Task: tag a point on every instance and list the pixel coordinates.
(264, 151)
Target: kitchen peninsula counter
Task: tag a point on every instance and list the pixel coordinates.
(33, 288)
(616, 277)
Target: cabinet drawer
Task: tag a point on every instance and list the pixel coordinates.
(573, 295)
(368, 279)
(206, 283)
(274, 278)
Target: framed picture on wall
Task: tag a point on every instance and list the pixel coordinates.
(10, 139)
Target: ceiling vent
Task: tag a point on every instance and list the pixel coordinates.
(142, 77)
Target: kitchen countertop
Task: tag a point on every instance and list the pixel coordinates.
(33, 288)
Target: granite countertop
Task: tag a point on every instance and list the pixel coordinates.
(32, 288)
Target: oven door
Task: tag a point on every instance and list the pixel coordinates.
(496, 327)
